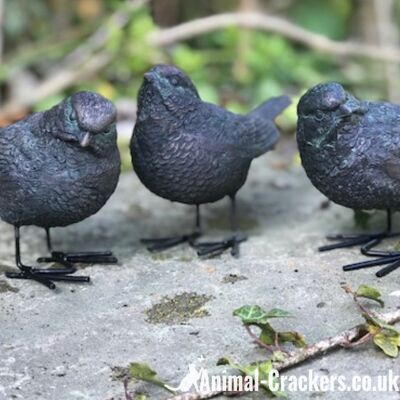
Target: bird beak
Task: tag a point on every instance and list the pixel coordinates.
(149, 77)
(85, 141)
(352, 107)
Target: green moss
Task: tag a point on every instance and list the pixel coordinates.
(178, 309)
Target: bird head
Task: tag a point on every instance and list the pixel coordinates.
(167, 85)
(324, 107)
(85, 115)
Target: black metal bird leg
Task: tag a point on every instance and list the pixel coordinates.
(166, 243)
(389, 258)
(369, 240)
(41, 275)
(86, 257)
(212, 249)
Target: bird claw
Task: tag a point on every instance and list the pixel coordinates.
(47, 276)
(161, 244)
(392, 263)
(367, 240)
(213, 249)
(88, 257)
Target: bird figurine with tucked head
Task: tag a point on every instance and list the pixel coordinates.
(57, 168)
(189, 151)
(350, 150)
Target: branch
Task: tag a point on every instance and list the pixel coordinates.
(254, 20)
(82, 62)
(340, 340)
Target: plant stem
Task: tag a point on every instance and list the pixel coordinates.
(342, 339)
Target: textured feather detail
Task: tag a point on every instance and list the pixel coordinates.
(257, 136)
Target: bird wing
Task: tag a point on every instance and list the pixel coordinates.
(17, 158)
(384, 123)
(247, 136)
(255, 136)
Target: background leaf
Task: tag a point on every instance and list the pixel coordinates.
(369, 292)
(389, 344)
(143, 372)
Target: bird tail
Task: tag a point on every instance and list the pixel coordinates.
(262, 134)
(271, 108)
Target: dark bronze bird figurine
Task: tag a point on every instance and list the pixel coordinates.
(189, 151)
(58, 167)
(350, 151)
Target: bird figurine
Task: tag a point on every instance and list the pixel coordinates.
(189, 151)
(350, 151)
(57, 168)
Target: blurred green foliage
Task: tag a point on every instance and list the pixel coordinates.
(234, 67)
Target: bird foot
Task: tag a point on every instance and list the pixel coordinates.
(88, 257)
(391, 262)
(47, 276)
(213, 249)
(160, 244)
(369, 240)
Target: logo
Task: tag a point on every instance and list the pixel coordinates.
(200, 381)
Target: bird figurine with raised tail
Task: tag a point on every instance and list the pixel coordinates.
(57, 168)
(350, 150)
(189, 151)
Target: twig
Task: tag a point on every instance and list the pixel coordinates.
(80, 63)
(256, 20)
(332, 343)
(298, 356)
(257, 340)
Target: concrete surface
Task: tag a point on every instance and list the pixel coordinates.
(63, 345)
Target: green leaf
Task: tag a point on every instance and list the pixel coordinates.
(251, 315)
(143, 372)
(278, 313)
(264, 368)
(374, 321)
(389, 344)
(255, 315)
(140, 397)
(369, 292)
(278, 356)
(292, 337)
(268, 334)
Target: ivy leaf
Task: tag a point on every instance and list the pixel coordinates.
(292, 337)
(255, 315)
(278, 356)
(278, 313)
(373, 329)
(264, 368)
(143, 372)
(389, 344)
(268, 334)
(369, 292)
(251, 315)
(379, 324)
